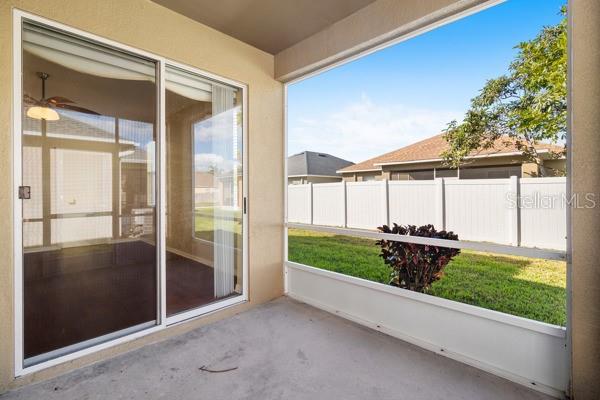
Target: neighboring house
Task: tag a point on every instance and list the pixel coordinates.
(422, 161)
(311, 167)
(216, 190)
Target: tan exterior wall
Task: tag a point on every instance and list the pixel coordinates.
(585, 229)
(314, 179)
(322, 179)
(555, 167)
(528, 169)
(145, 25)
(360, 176)
(377, 23)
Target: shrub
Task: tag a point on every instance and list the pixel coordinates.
(415, 266)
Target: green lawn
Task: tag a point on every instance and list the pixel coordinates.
(526, 287)
(205, 222)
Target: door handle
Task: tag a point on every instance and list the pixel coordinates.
(24, 192)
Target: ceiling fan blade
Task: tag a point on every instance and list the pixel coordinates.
(58, 99)
(27, 99)
(75, 108)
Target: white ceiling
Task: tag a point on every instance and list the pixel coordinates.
(270, 25)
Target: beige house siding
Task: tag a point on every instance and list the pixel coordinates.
(409, 171)
(148, 26)
(300, 180)
(555, 167)
(363, 176)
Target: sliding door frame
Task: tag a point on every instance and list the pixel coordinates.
(162, 321)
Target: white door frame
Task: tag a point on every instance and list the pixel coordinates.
(162, 321)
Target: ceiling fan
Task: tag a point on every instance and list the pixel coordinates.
(45, 108)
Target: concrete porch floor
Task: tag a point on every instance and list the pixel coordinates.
(282, 350)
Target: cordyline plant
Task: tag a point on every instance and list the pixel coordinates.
(415, 266)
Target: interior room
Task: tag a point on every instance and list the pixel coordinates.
(89, 225)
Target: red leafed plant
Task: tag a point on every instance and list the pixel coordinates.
(415, 266)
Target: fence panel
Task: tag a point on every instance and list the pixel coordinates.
(329, 204)
(299, 204)
(366, 204)
(412, 202)
(483, 210)
(477, 209)
(543, 213)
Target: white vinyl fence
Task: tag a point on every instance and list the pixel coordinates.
(528, 212)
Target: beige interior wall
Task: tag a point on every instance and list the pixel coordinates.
(180, 183)
(585, 271)
(375, 24)
(145, 25)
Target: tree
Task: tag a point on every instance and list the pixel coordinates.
(526, 106)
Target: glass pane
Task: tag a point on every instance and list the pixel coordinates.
(204, 191)
(89, 229)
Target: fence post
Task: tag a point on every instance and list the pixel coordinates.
(440, 206)
(311, 201)
(514, 211)
(345, 205)
(386, 202)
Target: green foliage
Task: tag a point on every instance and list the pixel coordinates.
(415, 266)
(528, 105)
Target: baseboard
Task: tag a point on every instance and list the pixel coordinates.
(191, 256)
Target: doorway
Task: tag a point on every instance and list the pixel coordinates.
(132, 194)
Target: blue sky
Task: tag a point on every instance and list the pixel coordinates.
(410, 91)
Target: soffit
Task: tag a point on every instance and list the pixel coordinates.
(270, 25)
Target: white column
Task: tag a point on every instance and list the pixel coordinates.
(440, 206)
(310, 202)
(386, 202)
(513, 211)
(345, 205)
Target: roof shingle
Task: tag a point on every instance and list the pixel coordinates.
(311, 163)
(430, 149)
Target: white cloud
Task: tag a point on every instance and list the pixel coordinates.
(207, 161)
(219, 126)
(364, 129)
(211, 161)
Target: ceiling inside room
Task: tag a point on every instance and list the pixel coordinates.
(270, 25)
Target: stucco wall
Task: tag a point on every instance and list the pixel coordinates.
(585, 271)
(145, 25)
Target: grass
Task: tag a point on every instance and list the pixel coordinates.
(526, 287)
(205, 222)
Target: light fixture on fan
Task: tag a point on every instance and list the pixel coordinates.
(44, 109)
(38, 112)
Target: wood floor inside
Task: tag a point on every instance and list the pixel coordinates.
(76, 294)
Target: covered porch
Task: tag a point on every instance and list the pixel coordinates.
(283, 349)
(182, 327)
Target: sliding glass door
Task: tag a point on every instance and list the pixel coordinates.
(132, 213)
(204, 191)
(89, 190)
